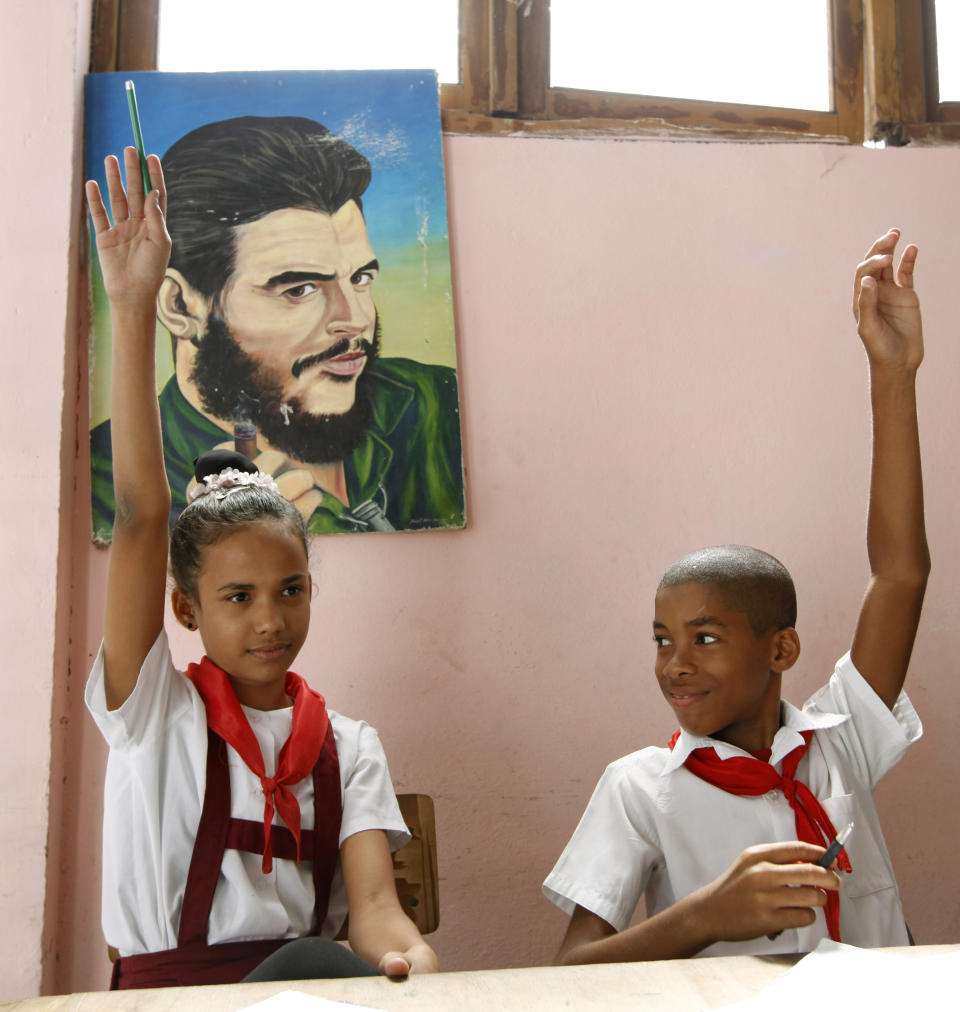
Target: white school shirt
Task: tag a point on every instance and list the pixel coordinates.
(153, 796)
(654, 827)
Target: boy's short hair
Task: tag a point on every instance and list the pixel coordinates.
(751, 582)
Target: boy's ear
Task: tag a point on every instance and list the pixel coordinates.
(786, 649)
(181, 308)
(184, 609)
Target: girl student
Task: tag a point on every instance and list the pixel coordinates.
(241, 818)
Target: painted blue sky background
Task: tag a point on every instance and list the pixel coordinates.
(390, 116)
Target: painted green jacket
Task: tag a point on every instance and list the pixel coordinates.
(408, 463)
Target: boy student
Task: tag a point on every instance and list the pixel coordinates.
(722, 830)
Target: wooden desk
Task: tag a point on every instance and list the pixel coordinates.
(670, 986)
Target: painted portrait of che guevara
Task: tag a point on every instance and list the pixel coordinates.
(270, 304)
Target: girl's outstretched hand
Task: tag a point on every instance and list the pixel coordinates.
(133, 251)
(419, 958)
(886, 307)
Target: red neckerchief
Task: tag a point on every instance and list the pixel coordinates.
(739, 775)
(297, 757)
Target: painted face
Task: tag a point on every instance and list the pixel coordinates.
(713, 670)
(253, 608)
(299, 303)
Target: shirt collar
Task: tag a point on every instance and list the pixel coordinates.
(787, 738)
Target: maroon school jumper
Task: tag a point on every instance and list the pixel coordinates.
(195, 962)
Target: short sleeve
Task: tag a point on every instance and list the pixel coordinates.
(607, 863)
(160, 696)
(875, 738)
(369, 801)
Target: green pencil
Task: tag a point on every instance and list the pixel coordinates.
(137, 135)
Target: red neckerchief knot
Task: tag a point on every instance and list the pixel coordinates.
(297, 758)
(740, 775)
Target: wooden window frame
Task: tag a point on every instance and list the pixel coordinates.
(883, 56)
(124, 35)
(902, 100)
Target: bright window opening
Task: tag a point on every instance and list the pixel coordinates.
(205, 35)
(948, 49)
(758, 52)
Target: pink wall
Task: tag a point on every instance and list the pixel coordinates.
(43, 51)
(656, 352)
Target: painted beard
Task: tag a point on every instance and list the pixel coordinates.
(233, 384)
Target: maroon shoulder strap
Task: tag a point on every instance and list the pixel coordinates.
(327, 817)
(208, 847)
(217, 832)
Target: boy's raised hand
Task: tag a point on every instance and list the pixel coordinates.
(886, 307)
(888, 320)
(134, 251)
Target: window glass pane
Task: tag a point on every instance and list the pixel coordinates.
(759, 52)
(948, 49)
(202, 35)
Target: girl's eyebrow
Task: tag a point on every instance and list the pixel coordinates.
(250, 586)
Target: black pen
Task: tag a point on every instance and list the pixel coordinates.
(827, 859)
(830, 855)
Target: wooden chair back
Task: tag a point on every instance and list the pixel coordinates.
(415, 864)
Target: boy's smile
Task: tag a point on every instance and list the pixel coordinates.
(720, 678)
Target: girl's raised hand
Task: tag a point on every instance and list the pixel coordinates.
(134, 251)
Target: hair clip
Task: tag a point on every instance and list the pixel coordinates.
(230, 480)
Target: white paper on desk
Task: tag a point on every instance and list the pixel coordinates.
(843, 976)
(297, 1001)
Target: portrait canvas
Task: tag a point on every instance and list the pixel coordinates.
(306, 316)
